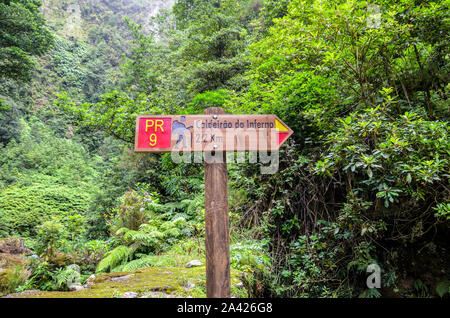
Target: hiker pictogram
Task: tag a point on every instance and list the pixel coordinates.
(180, 129)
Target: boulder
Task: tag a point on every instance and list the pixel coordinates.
(91, 278)
(90, 281)
(14, 246)
(130, 295)
(193, 263)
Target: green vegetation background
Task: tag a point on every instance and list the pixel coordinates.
(364, 179)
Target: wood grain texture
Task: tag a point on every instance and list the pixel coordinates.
(217, 225)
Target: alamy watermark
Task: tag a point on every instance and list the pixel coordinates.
(195, 152)
(74, 278)
(374, 279)
(374, 16)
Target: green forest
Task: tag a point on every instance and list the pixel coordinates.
(363, 181)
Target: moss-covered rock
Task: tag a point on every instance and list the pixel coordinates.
(13, 246)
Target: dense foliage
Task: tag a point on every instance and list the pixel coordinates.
(363, 180)
(23, 34)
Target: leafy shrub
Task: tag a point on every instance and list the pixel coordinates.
(51, 277)
(149, 238)
(22, 208)
(50, 234)
(39, 181)
(248, 256)
(67, 276)
(396, 164)
(43, 277)
(90, 253)
(365, 179)
(132, 212)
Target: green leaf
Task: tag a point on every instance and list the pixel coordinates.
(443, 288)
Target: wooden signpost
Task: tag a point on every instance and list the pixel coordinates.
(213, 132)
(217, 133)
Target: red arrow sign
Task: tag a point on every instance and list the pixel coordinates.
(210, 132)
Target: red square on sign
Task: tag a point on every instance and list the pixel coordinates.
(154, 132)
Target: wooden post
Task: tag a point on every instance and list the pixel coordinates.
(217, 225)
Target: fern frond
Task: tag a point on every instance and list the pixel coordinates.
(146, 261)
(122, 230)
(118, 268)
(167, 226)
(157, 235)
(147, 228)
(172, 233)
(179, 222)
(65, 275)
(139, 237)
(117, 256)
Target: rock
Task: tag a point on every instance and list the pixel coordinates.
(239, 285)
(193, 263)
(155, 294)
(14, 246)
(24, 294)
(121, 278)
(130, 295)
(76, 288)
(91, 278)
(189, 285)
(90, 281)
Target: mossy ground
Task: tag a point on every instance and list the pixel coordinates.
(149, 282)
